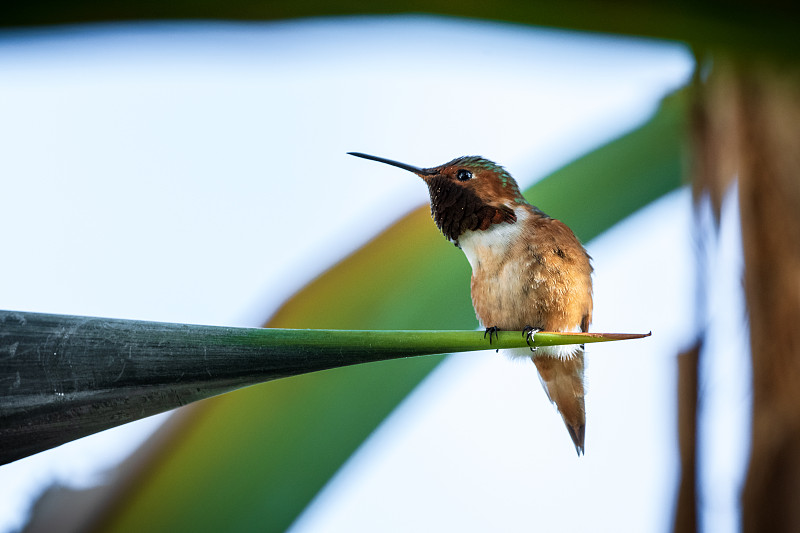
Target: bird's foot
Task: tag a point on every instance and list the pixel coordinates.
(491, 331)
(528, 332)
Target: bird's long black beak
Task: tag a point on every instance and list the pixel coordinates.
(416, 170)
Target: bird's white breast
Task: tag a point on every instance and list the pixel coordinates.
(492, 244)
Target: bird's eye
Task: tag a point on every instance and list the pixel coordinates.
(463, 174)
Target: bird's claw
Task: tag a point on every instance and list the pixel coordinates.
(528, 332)
(491, 331)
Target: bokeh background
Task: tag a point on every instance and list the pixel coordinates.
(195, 172)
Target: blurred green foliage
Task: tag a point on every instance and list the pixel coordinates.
(745, 26)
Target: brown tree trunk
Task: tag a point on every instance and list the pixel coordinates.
(769, 193)
(747, 125)
(686, 517)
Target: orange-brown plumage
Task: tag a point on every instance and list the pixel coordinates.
(528, 270)
(543, 280)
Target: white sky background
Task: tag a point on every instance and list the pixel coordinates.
(174, 172)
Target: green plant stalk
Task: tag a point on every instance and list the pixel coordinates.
(65, 377)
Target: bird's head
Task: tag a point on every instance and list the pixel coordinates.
(469, 193)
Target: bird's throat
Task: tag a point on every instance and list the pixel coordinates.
(456, 209)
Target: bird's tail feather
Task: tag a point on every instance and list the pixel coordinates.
(562, 380)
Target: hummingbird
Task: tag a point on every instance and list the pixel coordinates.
(530, 272)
